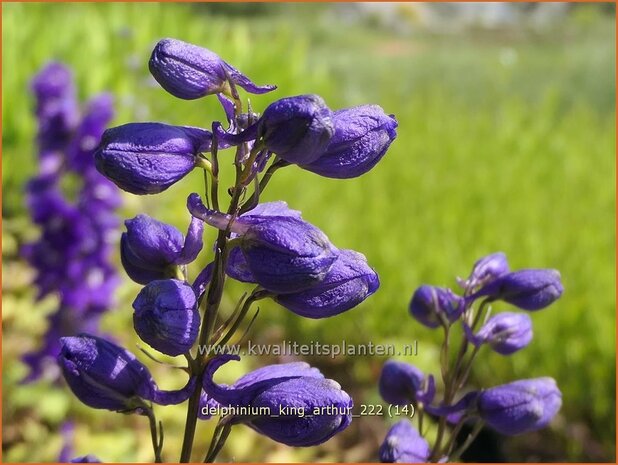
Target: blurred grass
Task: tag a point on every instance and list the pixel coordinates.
(506, 142)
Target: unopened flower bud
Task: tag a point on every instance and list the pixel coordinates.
(298, 129)
(349, 282)
(400, 383)
(283, 253)
(314, 408)
(166, 316)
(527, 289)
(147, 158)
(487, 269)
(505, 332)
(520, 407)
(430, 305)
(151, 250)
(105, 376)
(404, 444)
(189, 72)
(362, 137)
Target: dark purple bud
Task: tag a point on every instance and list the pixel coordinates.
(520, 407)
(430, 305)
(86, 459)
(505, 333)
(487, 269)
(189, 72)
(151, 250)
(401, 383)
(298, 129)
(404, 444)
(526, 289)
(105, 376)
(299, 406)
(166, 316)
(349, 282)
(237, 266)
(283, 253)
(147, 158)
(362, 137)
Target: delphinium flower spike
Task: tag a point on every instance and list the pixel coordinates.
(72, 257)
(513, 408)
(268, 245)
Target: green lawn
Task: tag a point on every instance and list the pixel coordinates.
(506, 142)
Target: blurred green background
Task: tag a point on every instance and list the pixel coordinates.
(506, 142)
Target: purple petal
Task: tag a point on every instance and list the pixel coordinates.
(193, 242)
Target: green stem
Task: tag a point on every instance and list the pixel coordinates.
(475, 432)
(211, 306)
(225, 432)
(256, 295)
(253, 201)
(157, 445)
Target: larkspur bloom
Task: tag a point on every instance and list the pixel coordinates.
(404, 444)
(532, 289)
(189, 72)
(151, 250)
(487, 269)
(166, 316)
(284, 253)
(148, 158)
(521, 406)
(362, 136)
(348, 283)
(105, 376)
(401, 383)
(431, 306)
(505, 332)
(298, 129)
(72, 255)
(305, 408)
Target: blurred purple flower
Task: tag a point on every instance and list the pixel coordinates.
(404, 444)
(71, 258)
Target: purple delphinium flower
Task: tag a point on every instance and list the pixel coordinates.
(298, 129)
(105, 376)
(314, 408)
(148, 158)
(521, 406)
(166, 316)
(401, 383)
(284, 253)
(404, 444)
(72, 255)
(348, 283)
(189, 72)
(487, 269)
(151, 250)
(431, 306)
(362, 136)
(532, 289)
(505, 332)
(57, 108)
